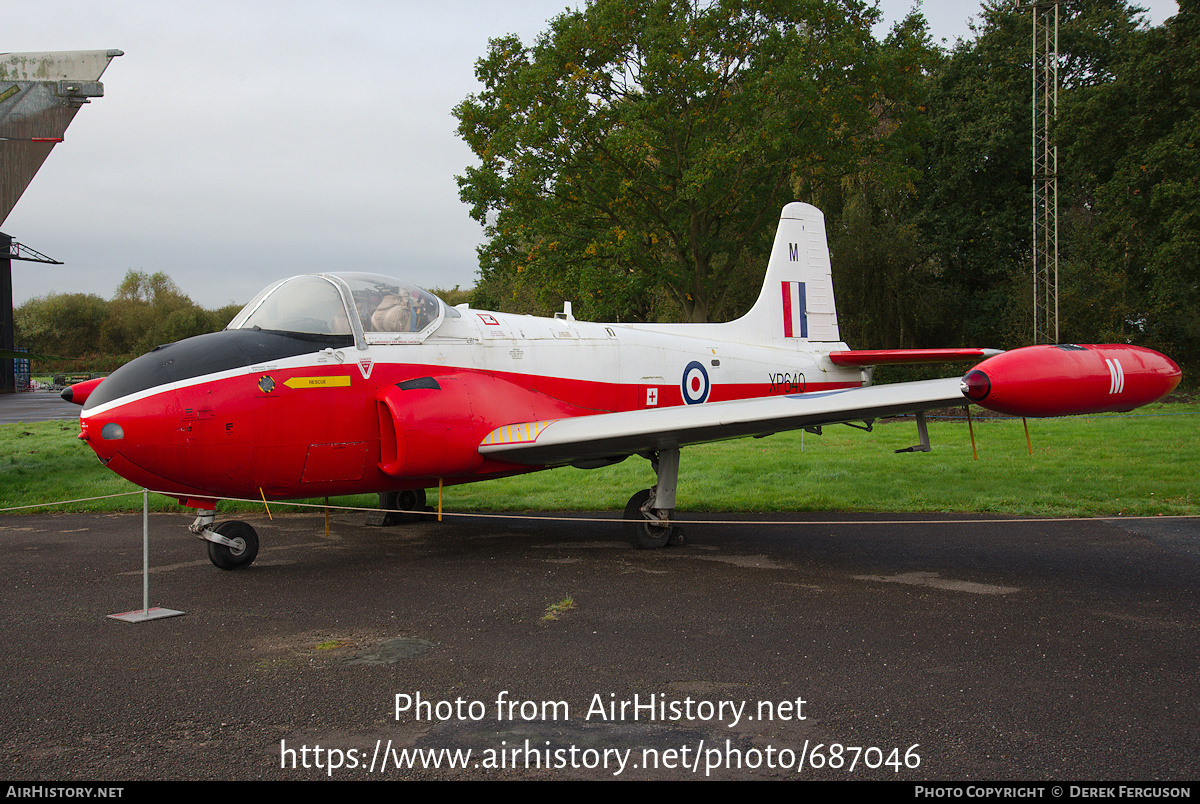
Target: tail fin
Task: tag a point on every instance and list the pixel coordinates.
(796, 302)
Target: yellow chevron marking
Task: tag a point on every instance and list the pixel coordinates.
(523, 433)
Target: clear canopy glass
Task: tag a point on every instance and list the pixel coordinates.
(308, 304)
(389, 305)
(343, 304)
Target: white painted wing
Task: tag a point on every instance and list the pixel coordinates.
(611, 435)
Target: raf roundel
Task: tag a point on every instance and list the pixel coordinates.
(695, 383)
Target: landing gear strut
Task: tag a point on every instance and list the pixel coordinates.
(231, 545)
(399, 507)
(648, 514)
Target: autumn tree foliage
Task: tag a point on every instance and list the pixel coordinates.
(1133, 143)
(634, 158)
(86, 330)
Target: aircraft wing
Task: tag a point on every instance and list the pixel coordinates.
(614, 435)
(40, 95)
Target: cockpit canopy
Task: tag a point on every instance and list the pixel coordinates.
(371, 307)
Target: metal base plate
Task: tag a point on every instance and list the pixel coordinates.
(153, 613)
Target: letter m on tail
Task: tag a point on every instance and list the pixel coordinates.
(796, 300)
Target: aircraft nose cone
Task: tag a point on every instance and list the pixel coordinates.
(976, 385)
(104, 436)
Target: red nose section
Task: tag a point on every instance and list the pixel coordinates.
(1067, 380)
(79, 392)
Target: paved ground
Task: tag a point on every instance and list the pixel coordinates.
(35, 406)
(1022, 651)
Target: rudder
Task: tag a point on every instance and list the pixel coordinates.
(796, 301)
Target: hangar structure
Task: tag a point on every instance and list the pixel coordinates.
(39, 96)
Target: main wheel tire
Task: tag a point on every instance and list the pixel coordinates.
(408, 505)
(410, 500)
(644, 533)
(245, 548)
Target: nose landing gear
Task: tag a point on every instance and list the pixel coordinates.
(231, 545)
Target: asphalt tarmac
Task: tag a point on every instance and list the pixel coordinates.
(35, 406)
(845, 647)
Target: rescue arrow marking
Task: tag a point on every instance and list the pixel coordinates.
(317, 382)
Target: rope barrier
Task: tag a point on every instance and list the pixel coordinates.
(68, 502)
(610, 519)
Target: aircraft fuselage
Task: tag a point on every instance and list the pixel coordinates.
(249, 413)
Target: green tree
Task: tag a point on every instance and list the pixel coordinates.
(975, 207)
(974, 189)
(157, 289)
(60, 324)
(634, 158)
(884, 274)
(886, 283)
(150, 309)
(1134, 144)
(147, 310)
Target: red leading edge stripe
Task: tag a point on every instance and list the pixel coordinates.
(880, 357)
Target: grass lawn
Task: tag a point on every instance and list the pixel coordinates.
(1145, 463)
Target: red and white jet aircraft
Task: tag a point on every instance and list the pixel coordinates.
(342, 383)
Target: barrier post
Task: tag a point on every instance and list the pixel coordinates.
(146, 612)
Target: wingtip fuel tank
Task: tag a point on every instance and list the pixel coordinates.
(1071, 379)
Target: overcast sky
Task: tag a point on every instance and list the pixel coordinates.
(242, 142)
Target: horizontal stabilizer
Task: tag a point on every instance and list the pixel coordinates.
(891, 357)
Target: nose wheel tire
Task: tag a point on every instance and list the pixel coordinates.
(645, 533)
(243, 551)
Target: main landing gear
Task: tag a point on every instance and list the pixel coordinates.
(648, 515)
(231, 545)
(399, 508)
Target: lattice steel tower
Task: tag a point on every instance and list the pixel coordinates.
(1045, 171)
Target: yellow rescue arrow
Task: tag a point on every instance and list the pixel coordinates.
(317, 382)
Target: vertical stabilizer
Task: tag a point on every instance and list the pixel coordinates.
(796, 302)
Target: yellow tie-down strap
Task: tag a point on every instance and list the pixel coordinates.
(523, 433)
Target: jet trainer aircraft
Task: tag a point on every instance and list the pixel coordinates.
(343, 383)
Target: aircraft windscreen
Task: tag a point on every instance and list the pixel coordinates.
(389, 305)
(308, 304)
